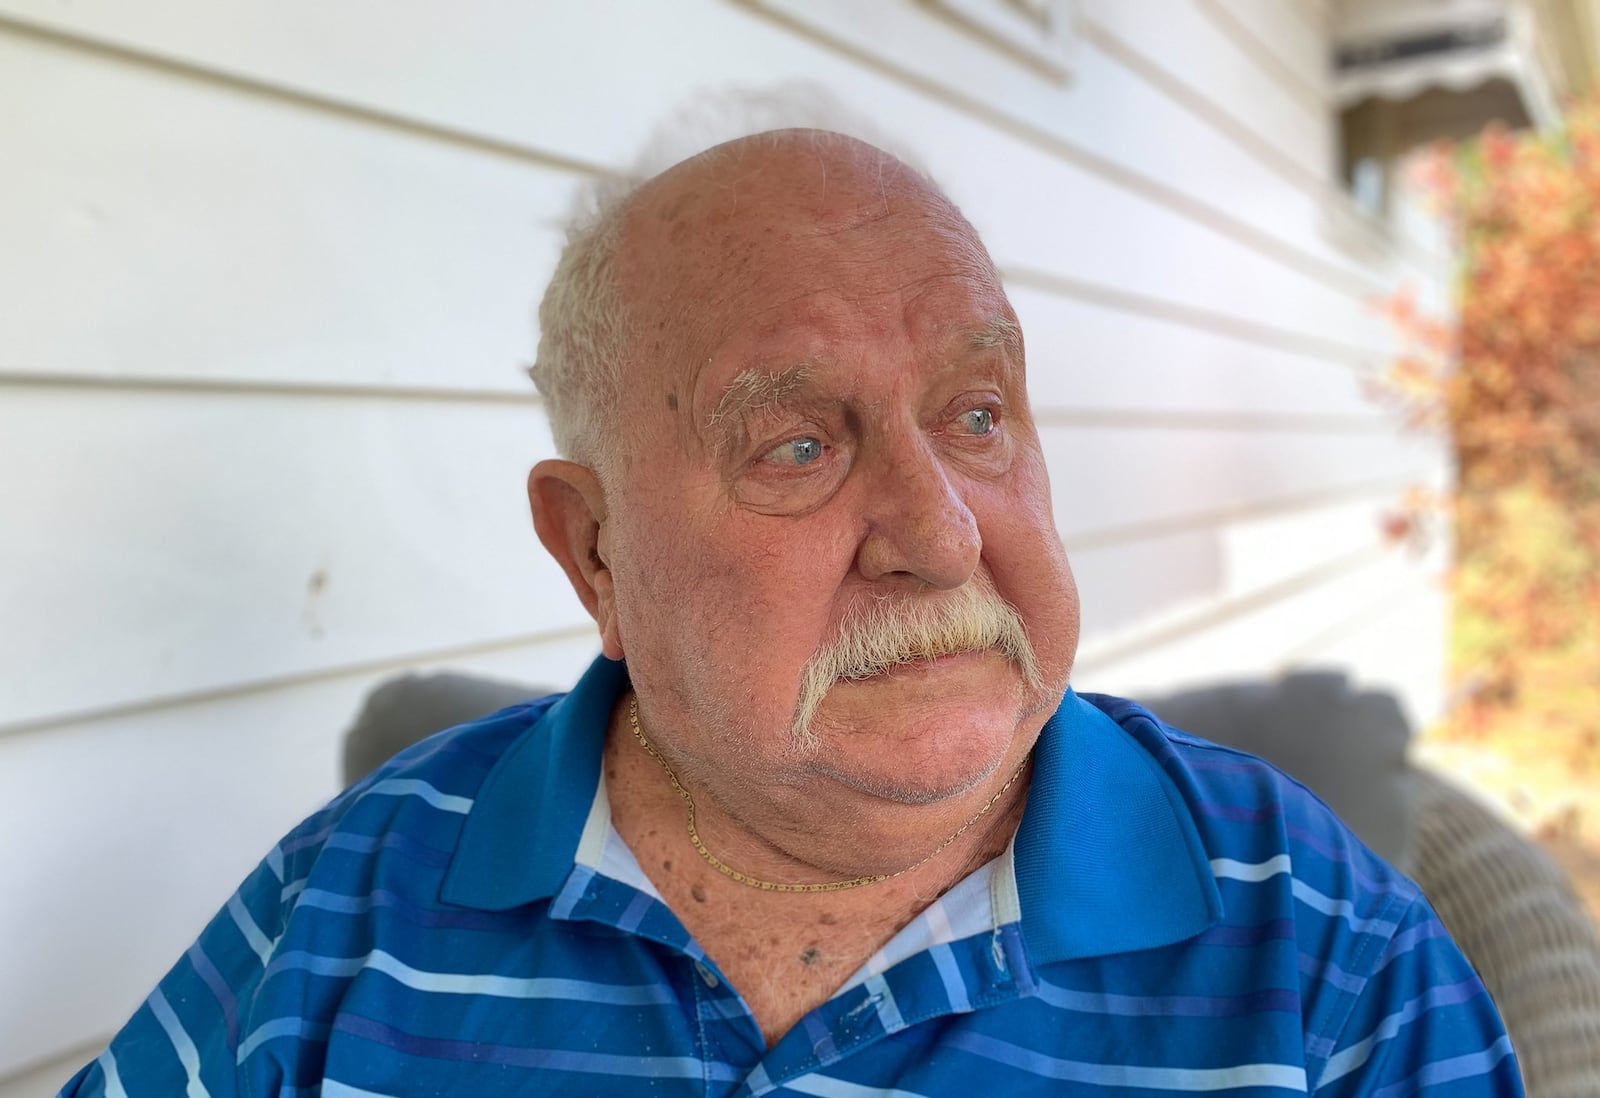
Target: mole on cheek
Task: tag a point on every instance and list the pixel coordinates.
(672, 401)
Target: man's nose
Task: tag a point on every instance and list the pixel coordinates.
(919, 529)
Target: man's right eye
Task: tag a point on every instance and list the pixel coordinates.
(796, 451)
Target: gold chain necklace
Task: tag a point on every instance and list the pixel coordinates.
(777, 886)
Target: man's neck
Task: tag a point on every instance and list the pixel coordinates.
(785, 952)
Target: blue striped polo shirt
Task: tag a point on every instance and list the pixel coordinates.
(1172, 917)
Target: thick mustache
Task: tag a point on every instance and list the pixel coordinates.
(884, 634)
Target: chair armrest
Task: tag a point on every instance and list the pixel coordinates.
(1516, 917)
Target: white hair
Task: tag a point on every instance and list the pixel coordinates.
(584, 334)
(585, 326)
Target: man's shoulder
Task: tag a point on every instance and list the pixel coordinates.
(1349, 946)
(466, 751)
(420, 795)
(1208, 772)
(1248, 811)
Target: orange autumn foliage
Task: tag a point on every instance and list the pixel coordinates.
(1516, 381)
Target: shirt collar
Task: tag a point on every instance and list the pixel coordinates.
(1107, 857)
(521, 836)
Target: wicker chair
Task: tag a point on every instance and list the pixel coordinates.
(1512, 912)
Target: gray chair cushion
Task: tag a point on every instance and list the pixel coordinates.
(401, 711)
(1347, 747)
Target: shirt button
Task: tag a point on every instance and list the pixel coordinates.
(706, 974)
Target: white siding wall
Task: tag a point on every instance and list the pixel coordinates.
(266, 270)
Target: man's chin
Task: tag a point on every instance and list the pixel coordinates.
(923, 732)
(890, 782)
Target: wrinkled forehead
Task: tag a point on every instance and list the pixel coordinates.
(822, 178)
(753, 225)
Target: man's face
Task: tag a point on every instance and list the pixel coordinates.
(826, 419)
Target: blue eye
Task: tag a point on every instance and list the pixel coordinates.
(980, 421)
(797, 451)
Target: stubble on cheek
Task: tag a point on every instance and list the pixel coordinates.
(728, 652)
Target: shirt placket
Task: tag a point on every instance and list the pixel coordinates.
(729, 1040)
(976, 973)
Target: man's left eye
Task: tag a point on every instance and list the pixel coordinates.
(797, 451)
(979, 421)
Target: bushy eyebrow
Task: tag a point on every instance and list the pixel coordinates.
(754, 389)
(1001, 333)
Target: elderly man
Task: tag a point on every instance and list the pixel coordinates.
(825, 818)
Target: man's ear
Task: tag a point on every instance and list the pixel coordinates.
(569, 514)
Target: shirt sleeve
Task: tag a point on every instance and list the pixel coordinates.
(1422, 1024)
(186, 1036)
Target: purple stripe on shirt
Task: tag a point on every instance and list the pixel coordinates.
(1248, 936)
(219, 990)
(548, 1059)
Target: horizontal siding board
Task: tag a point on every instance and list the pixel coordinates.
(1106, 113)
(1102, 111)
(1263, 636)
(1392, 641)
(1135, 587)
(258, 687)
(1280, 39)
(1386, 488)
(1102, 235)
(1084, 355)
(1162, 56)
(1314, 13)
(166, 545)
(153, 819)
(1215, 67)
(1103, 230)
(1270, 332)
(164, 228)
(1176, 35)
(1127, 119)
(1107, 478)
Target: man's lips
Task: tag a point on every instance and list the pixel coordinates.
(923, 668)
